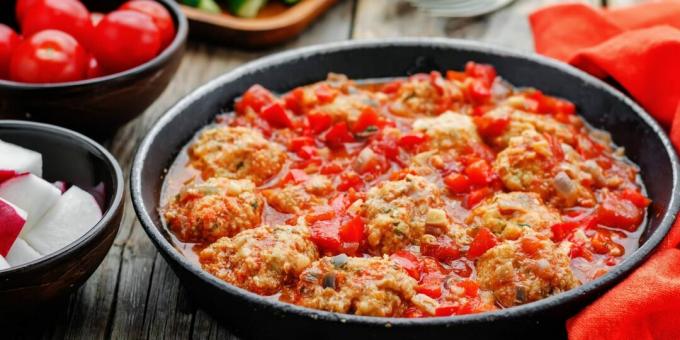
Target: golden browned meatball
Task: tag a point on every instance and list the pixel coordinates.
(506, 214)
(525, 270)
(521, 121)
(449, 131)
(204, 212)
(261, 260)
(397, 213)
(236, 152)
(530, 163)
(364, 286)
(296, 198)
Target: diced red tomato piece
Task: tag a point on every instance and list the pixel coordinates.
(636, 197)
(476, 196)
(481, 71)
(408, 261)
(617, 212)
(307, 152)
(483, 241)
(480, 110)
(338, 135)
(368, 117)
(564, 107)
(352, 230)
(295, 100)
(479, 91)
(296, 143)
(411, 140)
(325, 94)
(579, 250)
(443, 250)
(325, 235)
(350, 180)
(457, 183)
(561, 230)
(392, 86)
(479, 172)
(256, 97)
(331, 168)
(600, 242)
(471, 288)
(319, 122)
(432, 289)
(276, 115)
(455, 75)
(491, 127)
(446, 310)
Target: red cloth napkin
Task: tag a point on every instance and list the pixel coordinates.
(638, 47)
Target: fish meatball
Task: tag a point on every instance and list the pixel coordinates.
(236, 152)
(520, 121)
(204, 212)
(506, 214)
(363, 286)
(449, 131)
(261, 260)
(397, 213)
(297, 198)
(525, 270)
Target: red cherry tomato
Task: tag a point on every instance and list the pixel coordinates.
(9, 40)
(22, 7)
(49, 56)
(161, 17)
(125, 39)
(69, 16)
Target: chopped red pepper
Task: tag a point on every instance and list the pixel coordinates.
(476, 196)
(431, 288)
(352, 230)
(350, 180)
(490, 126)
(276, 115)
(319, 122)
(256, 97)
(392, 86)
(331, 168)
(295, 101)
(617, 212)
(443, 250)
(296, 143)
(457, 183)
(325, 94)
(411, 140)
(636, 197)
(408, 261)
(561, 230)
(481, 71)
(368, 117)
(483, 241)
(338, 135)
(480, 173)
(471, 288)
(479, 91)
(297, 176)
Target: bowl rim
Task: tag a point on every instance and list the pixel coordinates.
(116, 200)
(181, 33)
(621, 270)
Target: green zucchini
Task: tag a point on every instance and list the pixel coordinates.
(246, 8)
(205, 5)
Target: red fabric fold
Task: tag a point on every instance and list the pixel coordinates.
(638, 47)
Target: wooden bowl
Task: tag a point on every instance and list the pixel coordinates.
(95, 106)
(71, 157)
(276, 23)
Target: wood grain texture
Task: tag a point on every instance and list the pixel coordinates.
(134, 294)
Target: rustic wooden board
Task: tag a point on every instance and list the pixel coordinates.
(134, 294)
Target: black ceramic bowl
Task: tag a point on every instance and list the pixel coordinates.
(95, 106)
(250, 314)
(71, 157)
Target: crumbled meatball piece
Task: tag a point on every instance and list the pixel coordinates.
(209, 210)
(261, 260)
(449, 131)
(396, 213)
(530, 163)
(363, 286)
(296, 198)
(521, 121)
(525, 270)
(506, 214)
(236, 152)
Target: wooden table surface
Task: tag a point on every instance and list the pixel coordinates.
(134, 294)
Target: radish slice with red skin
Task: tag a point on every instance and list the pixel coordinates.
(74, 214)
(12, 220)
(31, 194)
(21, 253)
(19, 160)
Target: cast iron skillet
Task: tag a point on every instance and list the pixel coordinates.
(252, 315)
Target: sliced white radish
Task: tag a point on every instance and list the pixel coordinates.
(12, 220)
(20, 160)
(3, 263)
(32, 194)
(71, 217)
(21, 253)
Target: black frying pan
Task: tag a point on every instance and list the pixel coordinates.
(252, 315)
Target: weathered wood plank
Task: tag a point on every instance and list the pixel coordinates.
(619, 3)
(507, 27)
